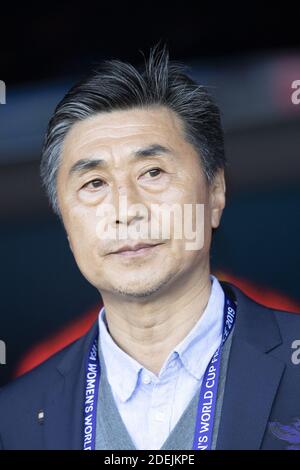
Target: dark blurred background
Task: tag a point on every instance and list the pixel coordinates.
(248, 56)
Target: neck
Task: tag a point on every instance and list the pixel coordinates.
(149, 331)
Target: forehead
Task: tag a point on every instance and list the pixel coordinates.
(123, 130)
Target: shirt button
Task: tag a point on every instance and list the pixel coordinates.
(159, 416)
(146, 379)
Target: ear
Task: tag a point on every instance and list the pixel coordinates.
(217, 198)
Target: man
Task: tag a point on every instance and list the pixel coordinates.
(177, 359)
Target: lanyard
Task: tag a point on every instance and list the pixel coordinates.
(209, 388)
(207, 397)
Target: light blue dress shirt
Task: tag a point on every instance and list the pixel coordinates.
(151, 405)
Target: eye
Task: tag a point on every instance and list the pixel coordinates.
(153, 172)
(93, 184)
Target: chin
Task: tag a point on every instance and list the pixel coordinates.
(139, 289)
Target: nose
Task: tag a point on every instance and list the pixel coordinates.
(128, 205)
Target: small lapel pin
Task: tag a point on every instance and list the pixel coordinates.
(40, 416)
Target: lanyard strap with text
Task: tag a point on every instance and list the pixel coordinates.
(207, 397)
(209, 388)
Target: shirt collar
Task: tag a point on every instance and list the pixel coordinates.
(197, 348)
(194, 351)
(121, 369)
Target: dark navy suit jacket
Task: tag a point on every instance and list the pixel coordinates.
(261, 407)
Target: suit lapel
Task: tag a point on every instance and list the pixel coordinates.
(251, 385)
(63, 423)
(253, 376)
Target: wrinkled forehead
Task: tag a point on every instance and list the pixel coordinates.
(123, 131)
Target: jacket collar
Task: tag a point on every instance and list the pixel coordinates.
(263, 331)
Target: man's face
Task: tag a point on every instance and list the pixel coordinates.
(138, 156)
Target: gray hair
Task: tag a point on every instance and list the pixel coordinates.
(117, 85)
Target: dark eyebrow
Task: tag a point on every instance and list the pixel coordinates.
(86, 164)
(152, 151)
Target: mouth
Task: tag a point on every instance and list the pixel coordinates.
(141, 249)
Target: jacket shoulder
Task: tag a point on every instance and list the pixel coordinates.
(29, 386)
(289, 324)
(260, 316)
